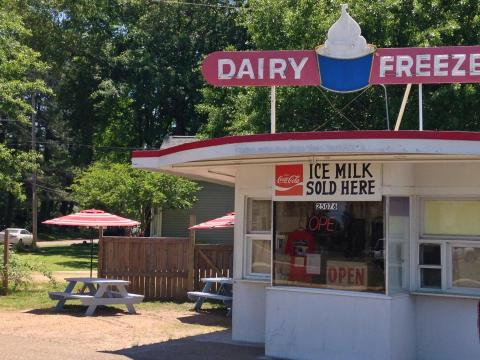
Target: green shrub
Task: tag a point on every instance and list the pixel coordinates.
(20, 271)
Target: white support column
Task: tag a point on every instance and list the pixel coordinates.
(402, 107)
(273, 101)
(420, 107)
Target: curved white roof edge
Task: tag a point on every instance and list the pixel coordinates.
(283, 145)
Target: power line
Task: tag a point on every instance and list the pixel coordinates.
(56, 142)
(12, 120)
(173, 2)
(64, 194)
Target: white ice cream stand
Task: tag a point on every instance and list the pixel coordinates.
(348, 245)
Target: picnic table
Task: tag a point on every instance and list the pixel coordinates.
(95, 292)
(223, 293)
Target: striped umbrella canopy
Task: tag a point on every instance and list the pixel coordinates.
(224, 222)
(92, 218)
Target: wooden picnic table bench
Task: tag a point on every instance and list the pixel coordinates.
(95, 292)
(223, 293)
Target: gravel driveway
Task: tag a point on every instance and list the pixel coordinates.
(114, 334)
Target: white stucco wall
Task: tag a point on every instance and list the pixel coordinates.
(446, 328)
(248, 318)
(458, 178)
(309, 324)
(402, 328)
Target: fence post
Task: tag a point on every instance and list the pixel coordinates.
(191, 254)
(5, 263)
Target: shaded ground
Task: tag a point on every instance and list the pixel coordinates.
(212, 346)
(169, 333)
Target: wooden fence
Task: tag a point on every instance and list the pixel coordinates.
(212, 261)
(162, 268)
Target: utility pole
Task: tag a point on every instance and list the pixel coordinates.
(34, 176)
(5, 264)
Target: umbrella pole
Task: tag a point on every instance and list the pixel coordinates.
(91, 254)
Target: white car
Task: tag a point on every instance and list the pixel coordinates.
(18, 236)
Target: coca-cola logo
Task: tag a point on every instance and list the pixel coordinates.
(289, 180)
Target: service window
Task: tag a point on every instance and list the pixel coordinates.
(258, 238)
(449, 246)
(334, 245)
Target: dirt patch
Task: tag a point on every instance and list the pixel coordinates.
(60, 276)
(110, 329)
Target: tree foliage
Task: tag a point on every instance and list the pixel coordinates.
(20, 66)
(15, 166)
(124, 74)
(130, 192)
(21, 76)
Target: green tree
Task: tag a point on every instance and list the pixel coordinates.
(125, 74)
(21, 77)
(15, 166)
(121, 189)
(20, 66)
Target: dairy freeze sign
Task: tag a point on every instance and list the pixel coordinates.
(328, 181)
(344, 63)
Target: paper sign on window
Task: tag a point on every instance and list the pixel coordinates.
(313, 264)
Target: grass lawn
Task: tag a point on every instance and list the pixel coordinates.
(70, 258)
(33, 297)
(36, 297)
(62, 258)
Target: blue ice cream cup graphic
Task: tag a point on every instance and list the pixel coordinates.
(345, 60)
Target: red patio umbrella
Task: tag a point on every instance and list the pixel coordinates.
(224, 222)
(92, 218)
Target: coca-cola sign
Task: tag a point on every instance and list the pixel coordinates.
(327, 181)
(289, 180)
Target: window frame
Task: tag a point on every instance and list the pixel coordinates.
(384, 203)
(447, 243)
(409, 250)
(249, 217)
(449, 279)
(249, 264)
(442, 266)
(249, 236)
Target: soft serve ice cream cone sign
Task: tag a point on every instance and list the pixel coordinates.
(345, 60)
(345, 63)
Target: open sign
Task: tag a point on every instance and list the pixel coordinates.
(347, 274)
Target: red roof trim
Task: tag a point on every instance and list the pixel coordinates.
(324, 135)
